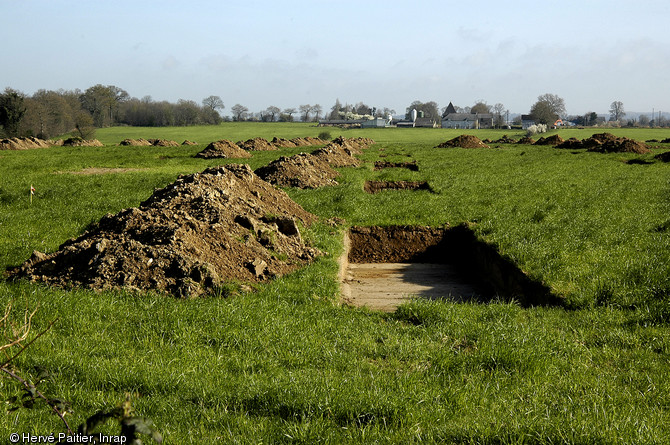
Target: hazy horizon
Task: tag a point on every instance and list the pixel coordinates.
(261, 53)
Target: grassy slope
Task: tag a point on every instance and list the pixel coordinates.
(286, 365)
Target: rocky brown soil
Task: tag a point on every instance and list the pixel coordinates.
(187, 239)
(377, 186)
(223, 149)
(315, 169)
(607, 143)
(302, 171)
(464, 141)
(23, 143)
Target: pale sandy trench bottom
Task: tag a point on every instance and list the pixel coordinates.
(385, 286)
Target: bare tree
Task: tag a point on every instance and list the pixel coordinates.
(304, 111)
(616, 111)
(480, 107)
(499, 111)
(316, 109)
(213, 103)
(240, 112)
(287, 115)
(272, 112)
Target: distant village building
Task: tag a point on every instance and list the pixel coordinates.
(417, 120)
(378, 122)
(467, 121)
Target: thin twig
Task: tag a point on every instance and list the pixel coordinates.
(24, 347)
(18, 336)
(30, 387)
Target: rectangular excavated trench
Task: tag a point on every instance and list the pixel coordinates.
(383, 267)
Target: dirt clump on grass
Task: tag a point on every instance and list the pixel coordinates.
(622, 145)
(554, 139)
(315, 169)
(23, 143)
(373, 187)
(297, 142)
(505, 139)
(410, 165)
(256, 144)
(607, 143)
(572, 143)
(141, 142)
(164, 143)
(336, 156)
(302, 171)
(187, 142)
(187, 239)
(464, 141)
(356, 145)
(223, 149)
(526, 140)
(79, 142)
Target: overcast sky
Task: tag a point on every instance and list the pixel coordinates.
(383, 53)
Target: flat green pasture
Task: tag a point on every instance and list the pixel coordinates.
(286, 363)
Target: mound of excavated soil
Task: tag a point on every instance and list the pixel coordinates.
(355, 145)
(572, 143)
(297, 142)
(607, 143)
(526, 140)
(282, 143)
(505, 140)
(315, 169)
(302, 171)
(136, 142)
(187, 142)
(79, 142)
(621, 145)
(23, 143)
(380, 165)
(163, 143)
(464, 141)
(186, 239)
(554, 139)
(141, 142)
(256, 144)
(336, 156)
(223, 149)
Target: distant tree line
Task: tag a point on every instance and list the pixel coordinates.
(49, 113)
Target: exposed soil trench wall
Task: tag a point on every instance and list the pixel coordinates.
(441, 262)
(373, 187)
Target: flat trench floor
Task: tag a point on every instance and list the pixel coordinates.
(385, 286)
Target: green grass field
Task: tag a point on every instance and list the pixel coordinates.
(288, 364)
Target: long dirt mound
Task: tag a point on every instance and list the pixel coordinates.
(23, 143)
(257, 144)
(607, 143)
(464, 141)
(223, 149)
(188, 238)
(302, 171)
